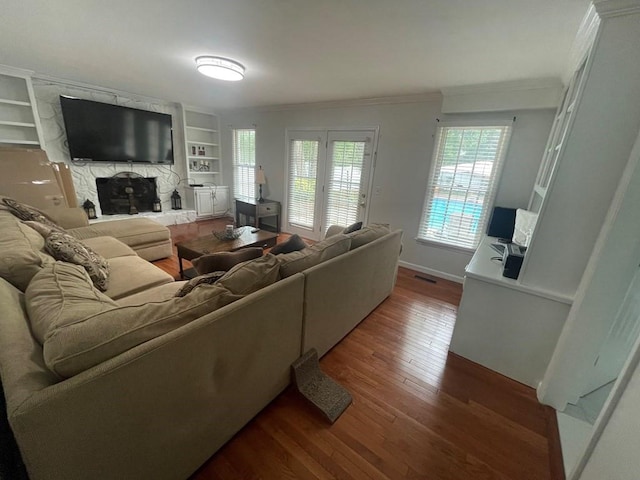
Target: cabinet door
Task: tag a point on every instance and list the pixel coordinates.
(204, 202)
(221, 201)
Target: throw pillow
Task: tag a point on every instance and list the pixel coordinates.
(64, 247)
(294, 244)
(27, 213)
(224, 261)
(368, 234)
(207, 279)
(354, 227)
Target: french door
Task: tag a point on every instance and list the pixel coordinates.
(328, 177)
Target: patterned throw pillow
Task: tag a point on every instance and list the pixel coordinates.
(206, 279)
(64, 247)
(27, 213)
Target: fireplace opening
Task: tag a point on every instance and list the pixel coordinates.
(126, 193)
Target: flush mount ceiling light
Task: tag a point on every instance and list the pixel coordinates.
(220, 68)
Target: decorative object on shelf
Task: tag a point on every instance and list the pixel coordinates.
(90, 208)
(157, 206)
(228, 234)
(220, 68)
(176, 201)
(201, 151)
(193, 149)
(260, 180)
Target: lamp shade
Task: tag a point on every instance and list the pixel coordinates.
(260, 179)
(220, 68)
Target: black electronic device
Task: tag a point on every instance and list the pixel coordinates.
(512, 259)
(101, 132)
(502, 223)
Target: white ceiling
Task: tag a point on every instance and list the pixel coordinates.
(295, 51)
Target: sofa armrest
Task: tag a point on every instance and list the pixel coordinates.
(67, 217)
(161, 409)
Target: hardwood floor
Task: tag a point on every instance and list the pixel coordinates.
(418, 411)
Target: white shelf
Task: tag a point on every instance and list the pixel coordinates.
(198, 172)
(19, 142)
(202, 157)
(14, 102)
(201, 129)
(196, 142)
(18, 124)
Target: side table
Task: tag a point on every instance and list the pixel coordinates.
(252, 209)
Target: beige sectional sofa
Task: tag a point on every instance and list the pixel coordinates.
(136, 383)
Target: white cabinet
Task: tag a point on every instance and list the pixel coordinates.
(208, 201)
(19, 120)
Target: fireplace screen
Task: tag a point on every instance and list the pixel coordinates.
(126, 192)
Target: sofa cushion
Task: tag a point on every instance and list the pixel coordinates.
(206, 279)
(109, 247)
(132, 274)
(294, 262)
(251, 276)
(135, 232)
(21, 251)
(368, 234)
(62, 246)
(224, 261)
(159, 293)
(80, 327)
(59, 291)
(293, 244)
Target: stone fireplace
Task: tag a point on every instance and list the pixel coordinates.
(126, 193)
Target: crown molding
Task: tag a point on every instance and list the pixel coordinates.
(97, 88)
(357, 102)
(503, 96)
(15, 72)
(615, 8)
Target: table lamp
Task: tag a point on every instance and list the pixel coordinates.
(260, 180)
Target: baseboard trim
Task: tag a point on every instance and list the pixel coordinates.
(431, 271)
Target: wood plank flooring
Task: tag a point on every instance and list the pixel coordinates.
(419, 412)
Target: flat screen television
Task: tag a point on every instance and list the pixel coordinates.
(100, 132)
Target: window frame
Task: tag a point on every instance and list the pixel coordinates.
(491, 191)
(250, 185)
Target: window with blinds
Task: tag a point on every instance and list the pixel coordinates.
(343, 186)
(462, 185)
(303, 168)
(244, 163)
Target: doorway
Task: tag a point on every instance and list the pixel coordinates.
(328, 179)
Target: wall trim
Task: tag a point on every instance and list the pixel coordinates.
(98, 88)
(357, 102)
(528, 94)
(615, 8)
(431, 271)
(15, 72)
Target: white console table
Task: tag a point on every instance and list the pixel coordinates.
(505, 325)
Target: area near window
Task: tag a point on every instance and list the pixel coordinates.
(465, 170)
(244, 163)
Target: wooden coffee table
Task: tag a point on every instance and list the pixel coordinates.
(210, 244)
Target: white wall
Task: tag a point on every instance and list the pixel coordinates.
(404, 154)
(616, 454)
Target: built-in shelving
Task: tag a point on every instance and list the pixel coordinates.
(202, 147)
(19, 120)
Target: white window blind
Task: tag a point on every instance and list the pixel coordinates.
(303, 167)
(244, 163)
(343, 188)
(462, 185)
